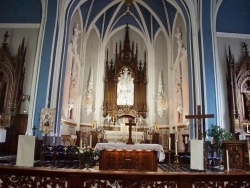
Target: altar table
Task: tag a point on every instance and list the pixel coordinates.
(122, 136)
(141, 157)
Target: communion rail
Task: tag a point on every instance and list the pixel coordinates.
(13, 176)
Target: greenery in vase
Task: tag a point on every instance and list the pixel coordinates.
(218, 134)
(86, 154)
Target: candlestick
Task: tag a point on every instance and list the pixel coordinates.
(136, 133)
(249, 156)
(176, 145)
(90, 141)
(227, 160)
(169, 142)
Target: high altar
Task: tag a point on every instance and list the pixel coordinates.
(141, 157)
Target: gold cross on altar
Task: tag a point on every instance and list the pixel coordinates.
(130, 124)
(198, 116)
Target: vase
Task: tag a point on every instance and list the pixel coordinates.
(87, 166)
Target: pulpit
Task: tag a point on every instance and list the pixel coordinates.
(138, 157)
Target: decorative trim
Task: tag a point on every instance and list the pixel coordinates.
(18, 25)
(233, 35)
(65, 122)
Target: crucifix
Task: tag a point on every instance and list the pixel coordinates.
(130, 124)
(198, 116)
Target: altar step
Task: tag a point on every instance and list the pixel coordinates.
(10, 160)
(184, 168)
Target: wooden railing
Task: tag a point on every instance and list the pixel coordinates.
(11, 176)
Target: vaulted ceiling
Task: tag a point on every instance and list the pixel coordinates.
(147, 16)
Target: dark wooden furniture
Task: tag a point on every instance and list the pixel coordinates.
(11, 95)
(238, 85)
(236, 154)
(125, 58)
(128, 160)
(72, 178)
(155, 139)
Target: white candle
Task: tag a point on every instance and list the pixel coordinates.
(176, 134)
(169, 143)
(90, 141)
(249, 156)
(81, 143)
(176, 144)
(227, 160)
(186, 139)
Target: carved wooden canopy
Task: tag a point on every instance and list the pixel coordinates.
(238, 82)
(125, 66)
(11, 80)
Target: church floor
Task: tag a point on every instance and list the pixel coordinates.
(162, 167)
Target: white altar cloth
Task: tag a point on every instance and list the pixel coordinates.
(137, 147)
(122, 136)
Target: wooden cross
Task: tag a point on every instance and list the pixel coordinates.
(130, 124)
(198, 116)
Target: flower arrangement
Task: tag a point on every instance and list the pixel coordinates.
(217, 134)
(86, 155)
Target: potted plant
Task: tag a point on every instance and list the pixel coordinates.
(216, 135)
(86, 155)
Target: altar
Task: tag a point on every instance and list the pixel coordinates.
(122, 136)
(139, 157)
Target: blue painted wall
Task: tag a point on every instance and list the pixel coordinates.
(20, 11)
(208, 56)
(47, 49)
(234, 17)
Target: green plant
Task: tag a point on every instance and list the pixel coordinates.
(86, 154)
(218, 134)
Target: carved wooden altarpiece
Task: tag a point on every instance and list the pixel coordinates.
(125, 67)
(11, 81)
(11, 95)
(238, 85)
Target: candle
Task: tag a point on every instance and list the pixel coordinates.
(90, 141)
(169, 143)
(176, 145)
(227, 160)
(249, 156)
(186, 139)
(81, 143)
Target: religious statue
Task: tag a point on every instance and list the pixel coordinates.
(125, 88)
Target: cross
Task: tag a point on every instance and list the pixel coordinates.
(130, 124)
(198, 116)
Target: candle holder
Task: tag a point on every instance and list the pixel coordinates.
(212, 154)
(176, 162)
(186, 149)
(169, 156)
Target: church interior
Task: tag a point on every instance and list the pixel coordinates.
(125, 93)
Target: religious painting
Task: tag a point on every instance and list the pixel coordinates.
(47, 118)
